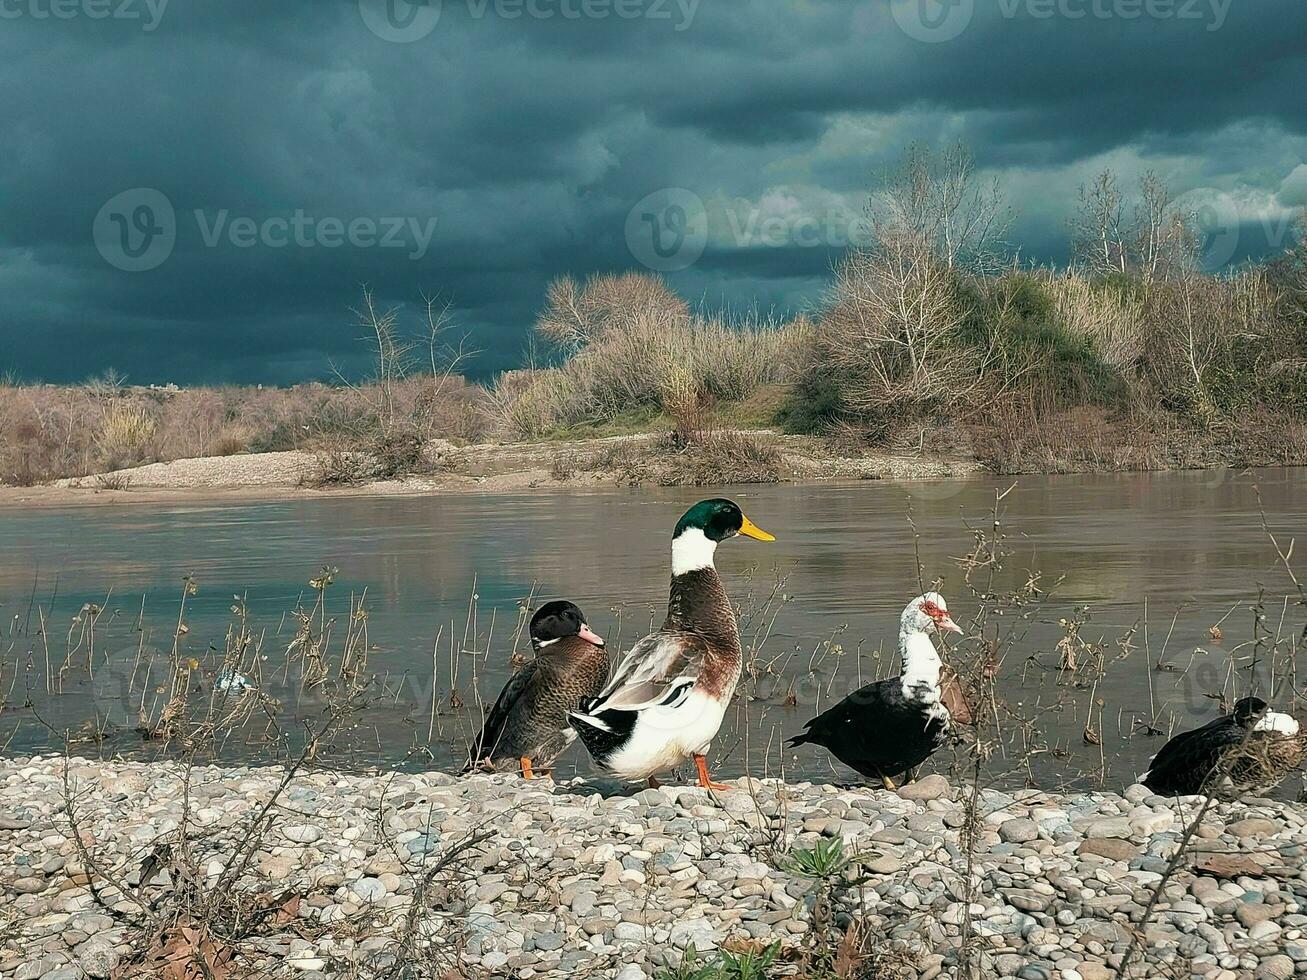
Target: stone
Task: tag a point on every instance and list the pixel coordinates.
(1109, 827)
(1277, 967)
(1148, 823)
(34, 969)
(97, 959)
(369, 890)
(1027, 900)
(575, 883)
(302, 833)
(883, 864)
(1228, 866)
(1253, 827)
(694, 932)
(1264, 932)
(1020, 831)
(1111, 848)
(1251, 913)
(931, 787)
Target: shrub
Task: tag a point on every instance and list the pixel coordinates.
(229, 442)
(632, 346)
(1043, 357)
(892, 337)
(124, 435)
(708, 458)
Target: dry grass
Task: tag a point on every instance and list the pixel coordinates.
(125, 435)
(1110, 320)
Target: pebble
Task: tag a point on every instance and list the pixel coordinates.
(931, 787)
(369, 889)
(303, 833)
(1252, 827)
(1018, 831)
(1110, 848)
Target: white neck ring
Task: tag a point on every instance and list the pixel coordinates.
(692, 550)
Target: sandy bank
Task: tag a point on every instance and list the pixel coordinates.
(480, 468)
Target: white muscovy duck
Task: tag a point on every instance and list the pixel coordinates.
(892, 726)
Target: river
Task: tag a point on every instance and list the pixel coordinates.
(441, 580)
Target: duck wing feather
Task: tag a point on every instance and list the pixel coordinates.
(493, 729)
(660, 669)
(1190, 757)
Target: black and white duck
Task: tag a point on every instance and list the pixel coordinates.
(669, 695)
(892, 726)
(1247, 751)
(527, 729)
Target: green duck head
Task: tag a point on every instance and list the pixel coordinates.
(703, 527)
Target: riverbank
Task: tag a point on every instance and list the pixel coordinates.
(614, 461)
(494, 876)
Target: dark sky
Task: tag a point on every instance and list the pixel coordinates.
(196, 190)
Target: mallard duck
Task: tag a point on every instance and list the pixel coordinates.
(669, 695)
(892, 726)
(527, 728)
(1247, 751)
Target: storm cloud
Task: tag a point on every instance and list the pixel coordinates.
(198, 192)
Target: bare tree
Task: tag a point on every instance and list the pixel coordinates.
(889, 331)
(891, 334)
(1157, 242)
(1202, 321)
(938, 199)
(576, 315)
(1165, 243)
(1100, 237)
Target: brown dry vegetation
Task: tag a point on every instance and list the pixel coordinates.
(49, 431)
(931, 343)
(631, 347)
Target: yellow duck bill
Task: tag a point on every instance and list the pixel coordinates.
(752, 530)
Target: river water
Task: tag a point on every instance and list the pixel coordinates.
(1150, 561)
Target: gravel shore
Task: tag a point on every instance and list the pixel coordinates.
(577, 878)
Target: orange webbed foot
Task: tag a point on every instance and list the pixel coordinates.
(704, 779)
